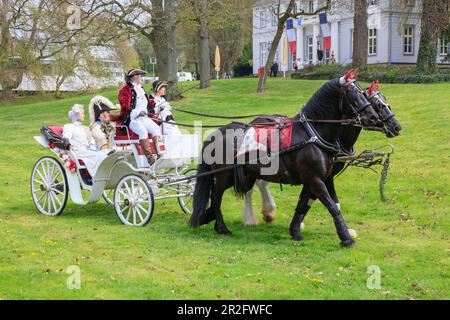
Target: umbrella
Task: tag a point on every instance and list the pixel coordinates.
(217, 61)
(284, 54)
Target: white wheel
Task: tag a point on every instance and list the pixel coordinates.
(188, 188)
(49, 187)
(108, 196)
(134, 201)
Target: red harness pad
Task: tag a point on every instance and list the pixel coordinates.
(268, 134)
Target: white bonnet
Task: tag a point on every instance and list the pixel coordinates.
(74, 114)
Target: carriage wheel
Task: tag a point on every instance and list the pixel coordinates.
(134, 201)
(186, 202)
(108, 196)
(49, 187)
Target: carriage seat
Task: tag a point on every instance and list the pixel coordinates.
(121, 133)
(125, 136)
(57, 129)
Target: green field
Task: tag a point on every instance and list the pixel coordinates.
(407, 237)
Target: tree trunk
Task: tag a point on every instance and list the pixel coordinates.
(163, 40)
(434, 20)
(273, 49)
(203, 38)
(270, 59)
(360, 35)
(205, 63)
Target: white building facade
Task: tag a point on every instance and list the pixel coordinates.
(112, 75)
(394, 33)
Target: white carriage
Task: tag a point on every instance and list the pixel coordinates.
(124, 179)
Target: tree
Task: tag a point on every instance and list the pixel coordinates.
(360, 34)
(35, 30)
(210, 23)
(243, 65)
(155, 20)
(434, 21)
(283, 16)
(232, 34)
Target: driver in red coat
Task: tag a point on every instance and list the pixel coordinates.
(136, 111)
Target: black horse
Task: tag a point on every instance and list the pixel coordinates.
(310, 165)
(346, 140)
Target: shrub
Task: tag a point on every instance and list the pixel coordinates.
(397, 74)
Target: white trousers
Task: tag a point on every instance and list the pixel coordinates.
(144, 126)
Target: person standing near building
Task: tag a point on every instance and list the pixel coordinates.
(274, 70)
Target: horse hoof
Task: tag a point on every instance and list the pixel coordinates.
(269, 217)
(297, 238)
(226, 233)
(251, 223)
(223, 231)
(348, 244)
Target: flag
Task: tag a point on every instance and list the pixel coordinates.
(291, 35)
(326, 32)
(299, 21)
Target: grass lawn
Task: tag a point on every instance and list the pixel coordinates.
(407, 237)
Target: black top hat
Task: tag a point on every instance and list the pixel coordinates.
(99, 108)
(135, 72)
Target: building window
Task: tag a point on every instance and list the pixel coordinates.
(443, 46)
(311, 7)
(264, 48)
(372, 42)
(295, 9)
(274, 19)
(408, 40)
(262, 20)
(309, 50)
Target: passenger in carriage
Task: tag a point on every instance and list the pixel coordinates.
(163, 110)
(101, 127)
(136, 108)
(81, 140)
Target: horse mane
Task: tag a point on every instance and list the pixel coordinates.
(324, 102)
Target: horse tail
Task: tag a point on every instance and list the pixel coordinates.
(239, 181)
(202, 194)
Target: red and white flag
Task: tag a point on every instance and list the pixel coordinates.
(291, 35)
(326, 31)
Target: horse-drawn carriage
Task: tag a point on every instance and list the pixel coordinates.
(124, 179)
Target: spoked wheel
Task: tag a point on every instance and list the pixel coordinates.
(49, 187)
(134, 201)
(108, 196)
(188, 188)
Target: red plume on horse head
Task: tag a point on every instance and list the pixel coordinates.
(351, 75)
(375, 87)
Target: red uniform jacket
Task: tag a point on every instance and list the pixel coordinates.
(127, 100)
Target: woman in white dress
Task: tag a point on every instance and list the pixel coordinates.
(81, 140)
(163, 110)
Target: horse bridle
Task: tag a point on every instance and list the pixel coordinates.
(379, 97)
(355, 109)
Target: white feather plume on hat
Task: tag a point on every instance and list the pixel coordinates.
(99, 99)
